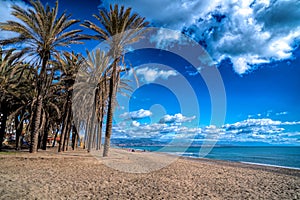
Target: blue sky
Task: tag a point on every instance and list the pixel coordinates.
(253, 44)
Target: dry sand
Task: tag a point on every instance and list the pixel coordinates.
(78, 175)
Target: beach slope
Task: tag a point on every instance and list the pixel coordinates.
(78, 175)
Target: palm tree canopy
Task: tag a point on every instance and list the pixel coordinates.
(15, 76)
(89, 81)
(40, 30)
(118, 27)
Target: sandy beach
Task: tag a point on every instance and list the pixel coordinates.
(79, 175)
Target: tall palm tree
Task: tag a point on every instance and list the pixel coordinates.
(119, 27)
(88, 89)
(69, 65)
(40, 31)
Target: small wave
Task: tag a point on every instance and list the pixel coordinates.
(268, 165)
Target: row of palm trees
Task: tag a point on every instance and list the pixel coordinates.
(42, 81)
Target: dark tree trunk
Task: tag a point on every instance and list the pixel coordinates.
(77, 137)
(63, 131)
(45, 137)
(19, 128)
(36, 126)
(68, 133)
(110, 109)
(77, 141)
(74, 137)
(66, 118)
(99, 135)
(56, 133)
(3, 123)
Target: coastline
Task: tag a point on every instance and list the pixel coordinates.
(239, 158)
(268, 165)
(79, 175)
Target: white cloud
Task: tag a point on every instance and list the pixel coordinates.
(247, 32)
(242, 125)
(281, 113)
(291, 123)
(166, 38)
(139, 114)
(260, 130)
(151, 74)
(177, 118)
(252, 122)
(169, 13)
(135, 123)
(250, 130)
(5, 10)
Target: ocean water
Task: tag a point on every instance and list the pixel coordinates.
(267, 155)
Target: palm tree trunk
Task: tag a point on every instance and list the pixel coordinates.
(65, 133)
(68, 134)
(19, 128)
(74, 137)
(45, 137)
(64, 130)
(100, 123)
(110, 109)
(86, 135)
(36, 126)
(77, 140)
(3, 123)
(42, 89)
(91, 130)
(95, 136)
(100, 131)
(56, 133)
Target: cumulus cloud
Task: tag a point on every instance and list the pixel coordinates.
(139, 114)
(247, 32)
(151, 74)
(249, 130)
(166, 38)
(262, 130)
(257, 123)
(252, 122)
(135, 123)
(177, 118)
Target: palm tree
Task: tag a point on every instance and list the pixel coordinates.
(40, 31)
(69, 65)
(51, 105)
(15, 87)
(119, 28)
(88, 89)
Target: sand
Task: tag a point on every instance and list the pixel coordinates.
(79, 175)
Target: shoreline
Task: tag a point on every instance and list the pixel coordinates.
(269, 165)
(239, 164)
(179, 154)
(245, 165)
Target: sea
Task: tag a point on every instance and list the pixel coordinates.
(278, 156)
